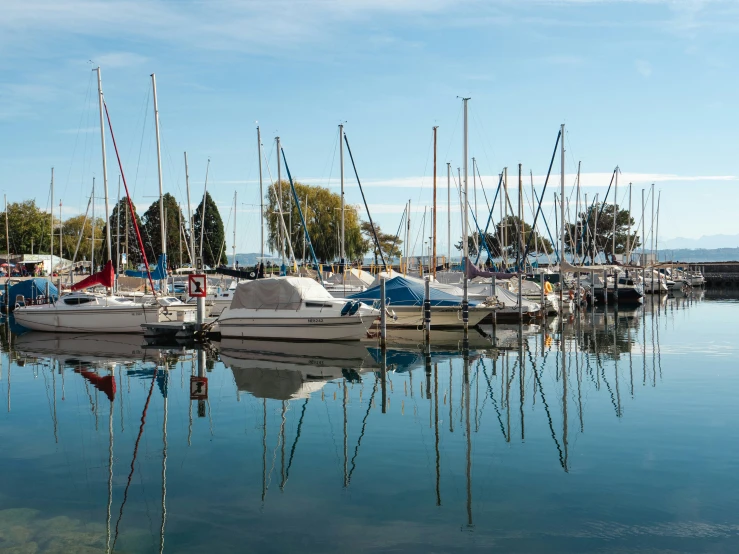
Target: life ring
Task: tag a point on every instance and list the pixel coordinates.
(547, 287)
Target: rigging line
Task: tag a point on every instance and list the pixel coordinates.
(130, 203)
(421, 229)
(86, 107)
(495, 402)
(141, 144)
(133, 459)
(372, 225)
(546, 407)
(295, 443)
(361, 433)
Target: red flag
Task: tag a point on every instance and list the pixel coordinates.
(106, 277)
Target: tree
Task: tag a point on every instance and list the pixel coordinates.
(28, 227)
(508, 233)
(322, 217)
(213, 240)
(389, 244)
(71, 231)
(152, 234)
(589, 241)
(134, 251)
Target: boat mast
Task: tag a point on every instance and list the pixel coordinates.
(92, 248)
(652, 233)
(117, 230)
(465, 297)
(105, 165)
(615, 215)
(577, 216)
(342, 250)
(234, 245)
(562, 217)
(628, 238)
(189, 215)
(656, 231)
(261, 198)
(279, 201)
(7, 233)
(159, 168)
(51, 213)
(433, 255)
(521, 240)
(449, 213)
(474, 195)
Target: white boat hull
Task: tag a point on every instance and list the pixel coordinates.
(319, 328)
(127, 319)
(441, 317)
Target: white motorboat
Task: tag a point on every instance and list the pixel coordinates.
(85, 312)
(293, 308)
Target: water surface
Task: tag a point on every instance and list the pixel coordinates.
(608, 432)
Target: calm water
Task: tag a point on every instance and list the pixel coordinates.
(621, 436)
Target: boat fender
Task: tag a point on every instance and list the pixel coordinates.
(547, 287)
(355, 307)
(346, 308)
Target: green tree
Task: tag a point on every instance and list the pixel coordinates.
(390, 244)
(322, 217)
(213, 240)
(589, 241)
(508, 233)
(152, 234)
(71, 231)
(134, 251)
(27, 225)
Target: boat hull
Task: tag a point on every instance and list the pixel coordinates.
(341, 328)
(118, 320)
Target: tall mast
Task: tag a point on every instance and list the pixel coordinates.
(159, 166)
(465, 296)
(261, 198)
(92, 248)
(652, 229)
(279, 198)
(105, 163)
(562, 215)
(234, 245)
(577, 213)
(628, 237)
(521, 262)
(7, 232)
(60, 237)
(449, 213)
(189, 214)
(504, 218)
(342, 250)
(643, 260)
(433, 254)
(615, 215)
(118, 229)
(51, 213)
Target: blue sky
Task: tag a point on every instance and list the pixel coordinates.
(649, 85)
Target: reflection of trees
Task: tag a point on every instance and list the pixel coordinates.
(606, 333)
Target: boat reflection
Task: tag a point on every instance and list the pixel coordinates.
(280, 370)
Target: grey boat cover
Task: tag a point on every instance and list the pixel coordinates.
(278, 293)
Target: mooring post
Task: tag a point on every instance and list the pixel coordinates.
(427, 309)
(383, 314)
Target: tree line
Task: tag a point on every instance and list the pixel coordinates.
(29, 232)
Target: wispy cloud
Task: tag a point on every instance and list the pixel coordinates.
(644, 68)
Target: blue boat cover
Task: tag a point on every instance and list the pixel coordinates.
(31, 289)
(403, 292)
(157, 274)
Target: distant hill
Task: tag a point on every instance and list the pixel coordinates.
(707, 242)
(697, 255)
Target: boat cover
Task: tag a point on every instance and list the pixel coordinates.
(279, 293)
(157, 274)
(404, 292)
(31, 289)
(353, 277)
